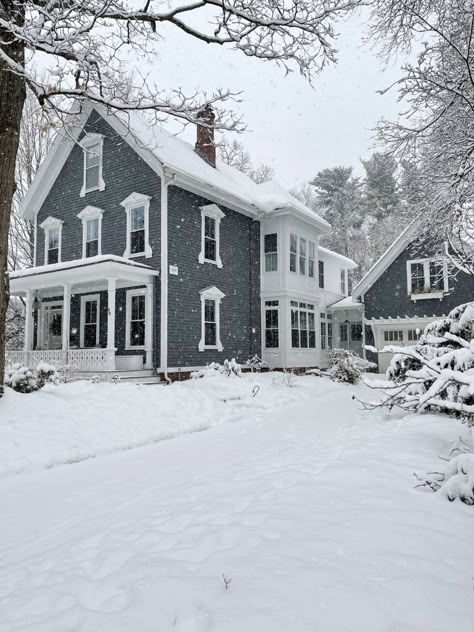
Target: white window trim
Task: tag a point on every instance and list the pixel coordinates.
(51, 223)
(89, 141)
(265, 308)
(213, 211)
(84, 299)
(343, 279)
(90, 212)
(128, 316)
(426, 273)
(136, 200)
(211, 294)
(263, 253)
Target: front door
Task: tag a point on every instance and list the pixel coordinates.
(52, 337)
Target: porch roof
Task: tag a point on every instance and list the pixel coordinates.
(81, 271)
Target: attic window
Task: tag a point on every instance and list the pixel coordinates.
(427, 278)
(211, 216)
(92, 146)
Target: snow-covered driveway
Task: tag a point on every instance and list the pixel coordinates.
(306, 507)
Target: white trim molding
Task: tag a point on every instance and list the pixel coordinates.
(84, 299)
(52, 223)
(86, 143)
(215, 213)
(133, 201)
(88, 213)
(428, 292)
(128, 315)
(211, 294)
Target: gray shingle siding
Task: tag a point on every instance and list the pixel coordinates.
(239, 279)
(388, 296)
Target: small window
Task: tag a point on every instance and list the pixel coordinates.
(271, 325)
(92, 237)
(393, 335)
(303, 332)
(53, 245)
(210, 319)
(329, 335)
(343, 282)
(211, 217)
(293, 252)
(137, 207)
(137, 230)
(92, 146)
(137, 320)
(210, 323)
(323, 335)
(311, 258)
(343, 332)
(302, 256)
(271, 252)
(321, 273)
(52, 240)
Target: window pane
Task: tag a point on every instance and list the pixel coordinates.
(92, 230)
(292, 262)
(209, 227)
(90, 312)
(92, 248)
(138, 218)
(210, 333)
(138, 307)
(137, 333)
(323, 335)
(417, 277)
(312, 340)
(53, 255)
(302, 256)
(271, 243)
(343, 281)
(209, 311)
(436, 276)
(329, 335)
(311, 268)
(137, 242)
(209, 249)
(304, 338)
(343, 332)
(271, 338)
(92, 177)
(53, 238)
(92, 155)
(310, 320)
(321, 273)
(303, 320)
(295, 339)
(356, 332)
(90, 335)
(293, 243)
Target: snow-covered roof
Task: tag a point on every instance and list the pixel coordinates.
(348, 263)
(77, 263)
(346, 303)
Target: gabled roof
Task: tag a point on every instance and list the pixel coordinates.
(166, 153)
(388, 257)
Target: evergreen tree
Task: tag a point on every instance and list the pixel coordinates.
(381, 186)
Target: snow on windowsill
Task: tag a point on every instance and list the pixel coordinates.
(426, 295)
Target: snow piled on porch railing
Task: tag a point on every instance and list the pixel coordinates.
(77, 263)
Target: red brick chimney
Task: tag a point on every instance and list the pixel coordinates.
(205, 146)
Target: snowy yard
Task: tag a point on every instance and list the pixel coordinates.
(300, 500)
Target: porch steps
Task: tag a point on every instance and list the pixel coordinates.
(140, 377)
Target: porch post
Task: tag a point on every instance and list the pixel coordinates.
(149, 326)
(28, 340)
(111, 288)
(66, 315)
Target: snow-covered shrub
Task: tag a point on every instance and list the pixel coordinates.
(343, 366)
(437, 372)
(25, 380)
(230, 367)
(455, 482)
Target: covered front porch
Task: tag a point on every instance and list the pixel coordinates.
(94, 314)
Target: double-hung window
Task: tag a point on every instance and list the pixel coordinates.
(343, 282)
(210, 319)
(91, 231)
(321, 274)
(343, 332)
(135, 319)
(89, 334)
(211, 216)
(137, 208)
(323, 335)
(293, 252)
(52, 240)
(302, 256)
(271, 252)
(271, 325)
(311, 258)
(329, 335)
(92, 146)
(303, 333)
(427, 277)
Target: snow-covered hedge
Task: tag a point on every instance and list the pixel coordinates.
(25, 380)
(230, 367)
(437, 372)
(455, 482)
(343, 366)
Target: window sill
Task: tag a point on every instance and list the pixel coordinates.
(427, 295)
(217, 263)
(128, 348)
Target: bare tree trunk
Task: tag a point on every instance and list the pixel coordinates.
(12, 98)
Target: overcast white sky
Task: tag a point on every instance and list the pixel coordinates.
(295, 128)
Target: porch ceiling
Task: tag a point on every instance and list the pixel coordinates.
(92, 272)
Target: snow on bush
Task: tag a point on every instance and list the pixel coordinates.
(25, 380)
(230, 367)
(455, 482)
(343, 366)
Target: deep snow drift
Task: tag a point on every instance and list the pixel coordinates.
(306, 504)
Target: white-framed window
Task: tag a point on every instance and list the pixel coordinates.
(329, 335)
(414, 335)
(323, 335)
(210, 319)
(427, 277)
(321, 274)
(135, 316)
(393, 335)
(90, 321)
(272, 340)
(91, 218)
(303, 254)
(343, 282)
(137, 208)
(293, 252)
(211, 216)
(311, 258)
(270, 247)
(53, 229)
(303, 333)
(92, 146)
(344, 332)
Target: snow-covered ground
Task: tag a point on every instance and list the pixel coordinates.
(305, 504)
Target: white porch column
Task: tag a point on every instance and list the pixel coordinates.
(28, 341)
(66, 315)
(111, 289)
(149, 326)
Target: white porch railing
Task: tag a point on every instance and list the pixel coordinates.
(86, 359)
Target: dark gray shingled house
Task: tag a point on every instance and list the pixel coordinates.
(151, 256)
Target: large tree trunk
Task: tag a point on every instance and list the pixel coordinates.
(12, 98)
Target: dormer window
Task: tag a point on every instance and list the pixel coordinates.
(91, 231)
(211, 216)
(92, 145)
(137, 207)
(52, 240)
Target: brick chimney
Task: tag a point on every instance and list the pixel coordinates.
(205, 146)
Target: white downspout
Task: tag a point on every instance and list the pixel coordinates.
(165, 182)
